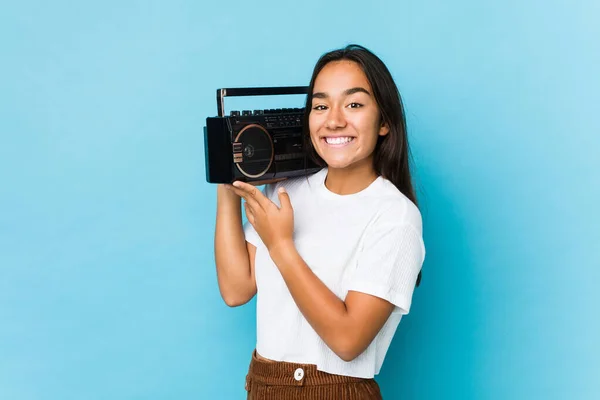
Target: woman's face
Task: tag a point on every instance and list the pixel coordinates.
(344, 119)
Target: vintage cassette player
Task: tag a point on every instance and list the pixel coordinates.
(256, 145)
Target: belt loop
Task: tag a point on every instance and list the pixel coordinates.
(248, 383)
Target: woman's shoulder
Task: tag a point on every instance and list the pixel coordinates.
(395, 207)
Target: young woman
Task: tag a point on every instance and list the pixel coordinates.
(335, 256)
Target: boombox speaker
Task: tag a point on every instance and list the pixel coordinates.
(256, 145)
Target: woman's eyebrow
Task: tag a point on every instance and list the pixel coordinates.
(347, 92)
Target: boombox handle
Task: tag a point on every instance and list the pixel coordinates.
(256, 91)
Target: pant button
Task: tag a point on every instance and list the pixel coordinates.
(299, 374)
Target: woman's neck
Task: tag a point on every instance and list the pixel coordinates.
(345, 181)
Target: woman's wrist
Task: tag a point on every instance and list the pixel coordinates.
(282, 251)
(223, 192)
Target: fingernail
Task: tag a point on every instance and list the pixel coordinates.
(281, 190)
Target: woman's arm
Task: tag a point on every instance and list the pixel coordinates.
(347, 327)
(234, 257)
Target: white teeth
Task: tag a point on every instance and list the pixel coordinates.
(338, 140)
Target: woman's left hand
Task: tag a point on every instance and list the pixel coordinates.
(274, 225)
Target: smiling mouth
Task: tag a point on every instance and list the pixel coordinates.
(339, 141)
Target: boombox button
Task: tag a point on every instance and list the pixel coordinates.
(237, 147)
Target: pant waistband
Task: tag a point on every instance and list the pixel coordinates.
(281, 373)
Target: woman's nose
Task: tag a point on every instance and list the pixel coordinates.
(335, 118)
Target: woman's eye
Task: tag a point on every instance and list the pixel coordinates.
(320, 107)
(355, 105)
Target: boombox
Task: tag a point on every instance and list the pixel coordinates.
(256, 145)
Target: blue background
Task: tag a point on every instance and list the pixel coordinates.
(107, 278)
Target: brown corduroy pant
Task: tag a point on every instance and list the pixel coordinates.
(276, 380)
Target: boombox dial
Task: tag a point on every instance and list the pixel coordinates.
(253, 151)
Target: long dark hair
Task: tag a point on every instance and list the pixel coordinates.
(391, 157)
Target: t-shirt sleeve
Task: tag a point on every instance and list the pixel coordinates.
(389, 264)
(249, 231)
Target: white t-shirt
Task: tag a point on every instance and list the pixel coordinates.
(369, 242)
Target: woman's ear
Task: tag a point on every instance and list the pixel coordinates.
(384, 129)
